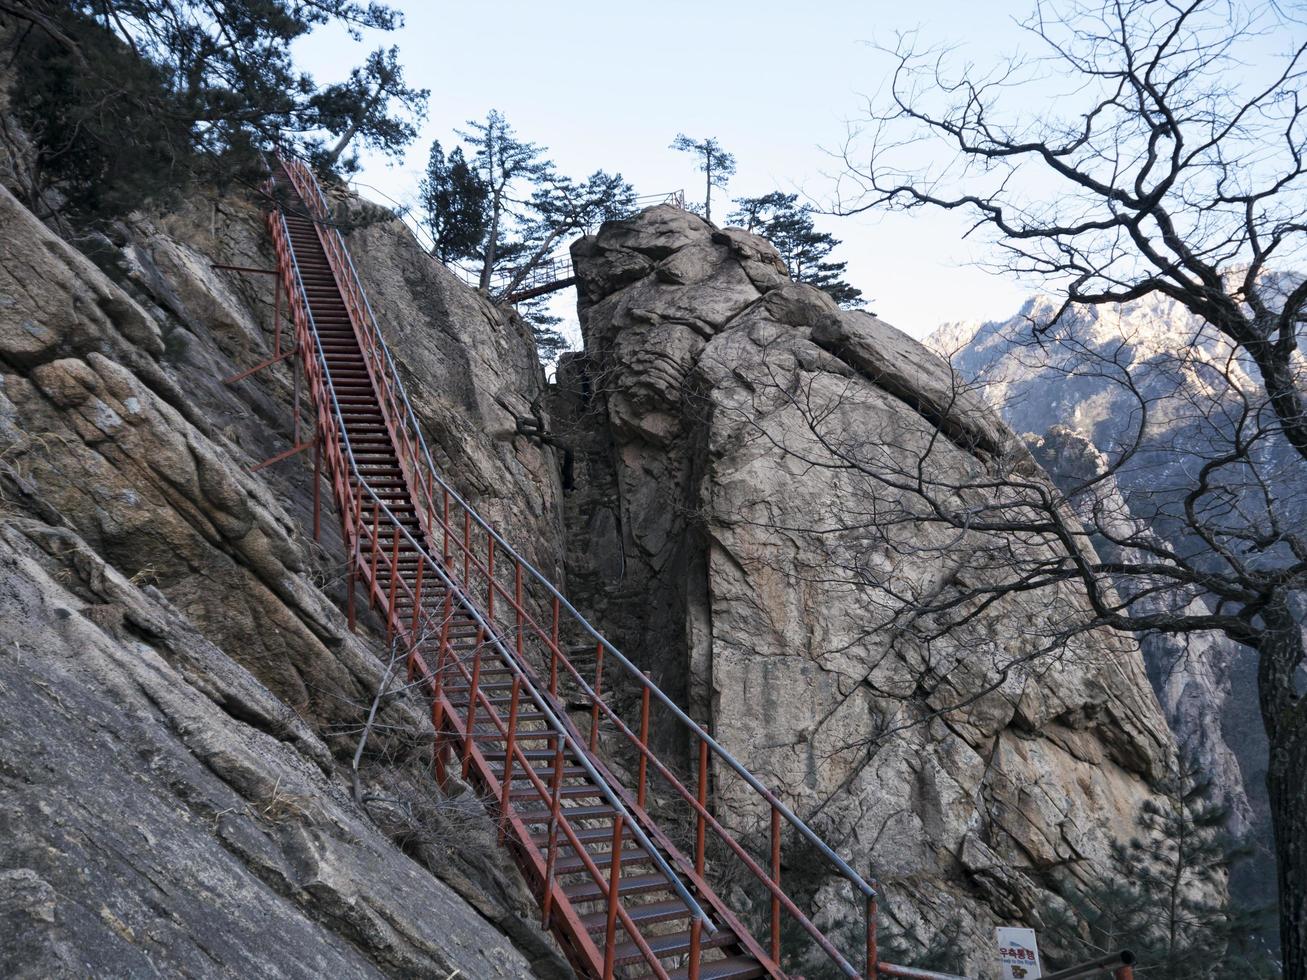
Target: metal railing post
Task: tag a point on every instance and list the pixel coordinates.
(517, 605)
(376, 547)
(594, 698)
(467, 544)
(490, 580)
(317, 482)
(417, 597)
(392, 619)
(438, 699)
(700, 843)
(556, 794)
(510, 745)
(474, 685)
(614, 895)
(444, 520)
(776, 878)
(873, 939)
(276, 317)
(553, 652)
(643, 775)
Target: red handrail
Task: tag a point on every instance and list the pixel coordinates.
(510, 599)
(380, 571)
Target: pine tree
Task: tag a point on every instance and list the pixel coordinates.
(512, 209)
(717, 165)
(362, 108)
(455, 204)
(560, 207)
(508, 167)
(1173, 910)
(129, 101)
(789, 226)
(550, 342)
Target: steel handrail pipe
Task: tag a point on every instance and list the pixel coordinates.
(635, 673)
(914, 973)
(552, 719)
(1120, 958)
(543, 792)
(770, 884)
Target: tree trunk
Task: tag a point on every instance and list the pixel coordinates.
(1284, 711)
(352, 130)
(488, 260)
(525, 269)
(707, 194)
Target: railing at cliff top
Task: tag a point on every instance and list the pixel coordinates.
(533, 612)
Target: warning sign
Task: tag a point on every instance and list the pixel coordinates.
(1018, 953)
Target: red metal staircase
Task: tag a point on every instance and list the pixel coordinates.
(622, 865)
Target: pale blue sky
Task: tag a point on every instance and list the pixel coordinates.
(610, 84)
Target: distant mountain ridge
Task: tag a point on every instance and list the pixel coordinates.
(1153, 374)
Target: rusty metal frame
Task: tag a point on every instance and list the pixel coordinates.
(277, 353)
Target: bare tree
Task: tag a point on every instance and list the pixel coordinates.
(1166, 158)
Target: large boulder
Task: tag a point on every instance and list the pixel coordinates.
(727, 546)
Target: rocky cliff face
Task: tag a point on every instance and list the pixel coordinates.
(181, 698)
(1071, 399)
(179, 695)
(726, 547)
(1191, 675)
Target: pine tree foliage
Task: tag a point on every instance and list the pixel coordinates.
(130, 100)
(1173, 911)
(550, 342)
(454, 201)
(788, 225)
(509, 167)
(717, 165)
(506, 205)
(373, 107)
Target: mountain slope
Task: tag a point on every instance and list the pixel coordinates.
(1149, 391)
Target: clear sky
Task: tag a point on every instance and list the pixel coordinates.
(609, 85)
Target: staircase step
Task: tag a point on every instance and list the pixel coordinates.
(586, 834)
(591, 891)
(545, 754)
(524, 716)
(588, 791)
(569, 772)
(671, 944)
(731, 968)
(572, 864)
(645, 914)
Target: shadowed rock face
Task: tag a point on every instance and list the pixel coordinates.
(179, 694)
(729, 557)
